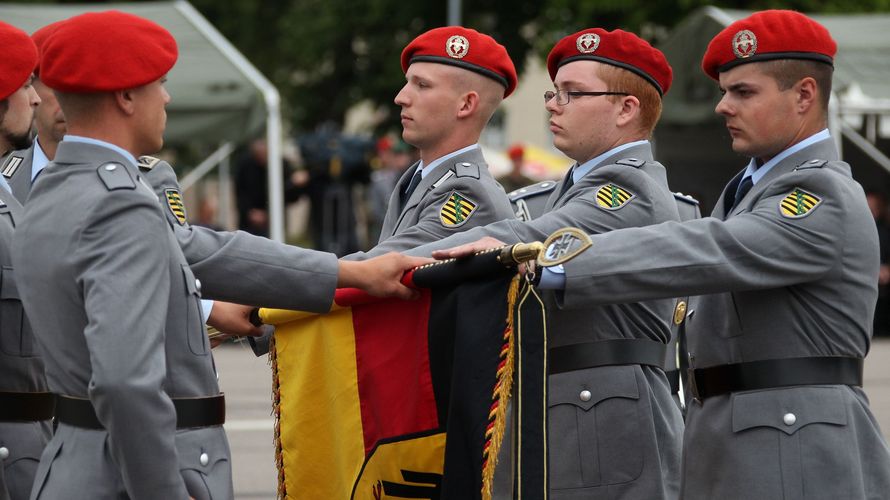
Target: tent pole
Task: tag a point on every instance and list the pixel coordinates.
(273, 110)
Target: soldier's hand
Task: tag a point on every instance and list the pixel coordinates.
(233, 320)
(381, 276)
(468, 248)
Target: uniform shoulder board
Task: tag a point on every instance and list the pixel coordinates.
(12, 163)
(811, 164)
(631, 162)
(115, 176)
(532, 190)
(685, 198)
(466, 169)
(148, 162)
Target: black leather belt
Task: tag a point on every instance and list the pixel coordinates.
(26, 406)
(605, 353)
(773, 373)
(190, 412)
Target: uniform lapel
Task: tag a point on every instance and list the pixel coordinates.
(472, 156)
(394, 209)
(822, 150)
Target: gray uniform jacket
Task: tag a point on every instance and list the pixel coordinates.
(236, 266)
(530, 202)
(676, 362)
(21, 369)
(799, 285)
(624, 440)
(116, 310)
(430, 214)
(17, 171)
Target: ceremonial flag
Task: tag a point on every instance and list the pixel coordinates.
(394, 399)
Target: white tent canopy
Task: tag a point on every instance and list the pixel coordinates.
(218, 96)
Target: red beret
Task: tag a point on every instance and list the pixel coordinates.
(42, 34)
(618, 48)
(765, 36)
(104, 52)
(464, 48)
(515, 152)
(18, 60)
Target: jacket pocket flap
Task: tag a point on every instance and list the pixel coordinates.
(586, 388)
(788, 409)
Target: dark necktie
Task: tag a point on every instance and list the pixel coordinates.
(740, 193)
(406, 194)
(569, 182)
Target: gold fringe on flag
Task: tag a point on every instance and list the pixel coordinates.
(276, 412)
(497, 417)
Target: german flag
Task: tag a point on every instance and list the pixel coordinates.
(394, 399)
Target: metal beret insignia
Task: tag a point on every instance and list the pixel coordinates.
(174, 203)
(587, 43)
(457, 46)
(613, 197)
(744, 44)
(798, 203)
(457, 210)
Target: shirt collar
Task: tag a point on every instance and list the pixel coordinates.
(96, 142)
(38, 159)
(581, 170)
(425, 169)
(756, 173)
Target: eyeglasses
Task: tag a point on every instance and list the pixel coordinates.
(564, 96)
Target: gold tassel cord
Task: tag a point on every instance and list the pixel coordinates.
(276, 413)
(494, 434)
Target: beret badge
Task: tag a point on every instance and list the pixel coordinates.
(457, 46)
(744, 44)
(588, 43)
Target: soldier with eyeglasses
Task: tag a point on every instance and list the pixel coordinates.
(613, 428)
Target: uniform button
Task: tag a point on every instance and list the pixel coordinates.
(789, 419)
(585, 395)
(110, 167)
(545, 184)
(204, 458)
(198, 285)
(4, 453)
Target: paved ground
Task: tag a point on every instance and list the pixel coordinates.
(246, 381)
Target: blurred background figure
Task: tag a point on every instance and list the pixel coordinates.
(877, 203)
(394, 156)
(515, 179)
(251, 188)
(334, 165)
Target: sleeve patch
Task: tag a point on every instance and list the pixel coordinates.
(798, 203)
(174, 203)
(613, 197)
(457, 210)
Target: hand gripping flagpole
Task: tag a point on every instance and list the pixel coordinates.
(559, 247)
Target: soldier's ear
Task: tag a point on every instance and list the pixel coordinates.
(807, 94)
(630, 110)
(468, 104)
(125, 101)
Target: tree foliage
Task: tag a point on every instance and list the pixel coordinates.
(327, 55)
